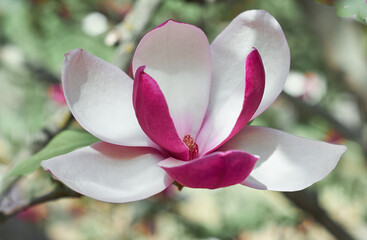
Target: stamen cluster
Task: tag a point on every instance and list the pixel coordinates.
(191, 144)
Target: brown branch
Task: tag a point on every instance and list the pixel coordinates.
(320, 18)
(301, 106)
(129, 31)
(308, 202)
(47, 134)
(327, 26)
(59, 192)
(9, 188)
(356, 135)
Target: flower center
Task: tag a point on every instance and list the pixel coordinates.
(191, 144)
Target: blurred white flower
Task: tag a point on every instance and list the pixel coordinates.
(345, 109)
(311, 87)
(94, 24)
(11, 55)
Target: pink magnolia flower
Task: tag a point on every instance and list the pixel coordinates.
(184, 116)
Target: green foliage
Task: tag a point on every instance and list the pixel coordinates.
(25, 107)
(62, 143)
(251, 211)
(348, 8)
(45, 34)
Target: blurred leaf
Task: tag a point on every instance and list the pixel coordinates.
(348, 8)
(62, 143)
(327, 2)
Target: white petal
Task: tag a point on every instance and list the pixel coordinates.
(177, 56)
(100, 97)
(111, 173)
(287, 162)
(254, 28)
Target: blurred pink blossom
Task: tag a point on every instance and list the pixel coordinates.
(56, 94)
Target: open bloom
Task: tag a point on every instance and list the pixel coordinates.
(184, 116)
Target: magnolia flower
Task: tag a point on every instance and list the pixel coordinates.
(184, 116)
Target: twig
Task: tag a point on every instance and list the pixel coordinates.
(315, 15)
(59, 192)
(49, 132)
(131, 29)
(352, 134)
(307, 201)
(357, 135)
(42, 73)
(9, 188)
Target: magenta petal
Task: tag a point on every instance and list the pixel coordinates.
(254, 90)
(153, 115)
(219, 169)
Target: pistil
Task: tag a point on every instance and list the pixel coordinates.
(191, 144)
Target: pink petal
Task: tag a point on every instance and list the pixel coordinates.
(177, 56)
(153, 115)
(254, 28)
(287, 162)
(222, 124)
(111, 173)
(219, 169)
(99, 96)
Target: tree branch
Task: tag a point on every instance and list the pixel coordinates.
(59, 192)
(301, 106)
(308, 202)
(356, 135)
(128, 33)
(351, 78)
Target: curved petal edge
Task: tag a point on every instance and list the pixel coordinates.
(111, 173)
(287, 162)
(99, 96)
(177, 55)
(258, 29)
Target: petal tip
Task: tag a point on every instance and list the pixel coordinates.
(172, 21)
(138, 71)
(47, 169)
(343, 148)
(167, 22)
(75, 50)
(289, 163)
(245, 15)
(43, 165)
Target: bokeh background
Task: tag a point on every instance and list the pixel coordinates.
(325, 98)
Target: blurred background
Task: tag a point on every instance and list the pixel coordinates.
(325, 98)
